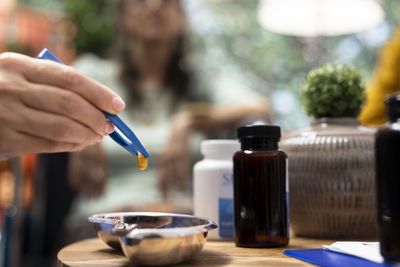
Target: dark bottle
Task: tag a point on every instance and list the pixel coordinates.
(260, 188)
(387, 154)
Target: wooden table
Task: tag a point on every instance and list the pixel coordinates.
(93, 252)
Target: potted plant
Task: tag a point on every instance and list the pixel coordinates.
(331, 163)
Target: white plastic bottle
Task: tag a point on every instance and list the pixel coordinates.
(213, 187)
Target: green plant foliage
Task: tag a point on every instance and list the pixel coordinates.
(333, 90)
(95, 21)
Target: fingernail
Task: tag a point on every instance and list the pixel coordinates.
(118, 104)
(109, 127)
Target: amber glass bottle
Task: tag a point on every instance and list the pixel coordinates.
(260, 188)
(387, 154)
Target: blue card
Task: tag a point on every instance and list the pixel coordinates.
(330, 259)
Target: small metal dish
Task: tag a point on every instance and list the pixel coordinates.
(152, 238)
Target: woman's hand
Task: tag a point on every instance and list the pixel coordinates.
(50, 107)
(88, 171)
(174, 163)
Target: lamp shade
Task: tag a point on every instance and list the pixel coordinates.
(319, 17)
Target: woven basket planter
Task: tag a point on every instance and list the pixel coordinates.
(332, 179)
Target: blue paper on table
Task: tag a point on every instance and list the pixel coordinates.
(326, 258)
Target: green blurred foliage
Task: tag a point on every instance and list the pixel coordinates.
(229, 41)
(46, 4)
(95, 23)
(333, 90)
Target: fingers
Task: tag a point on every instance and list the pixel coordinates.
(52, 127)
(174, 163)
(50, 99)
(13, 142)
(22, 143)
(65, 77)
(182, 171)
(87, 172)
(173, 171)
(163, 174)
(166, 173)
(48, 107)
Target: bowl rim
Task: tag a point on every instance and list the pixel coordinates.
(103, 218)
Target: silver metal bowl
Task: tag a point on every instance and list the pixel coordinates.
(153, 238)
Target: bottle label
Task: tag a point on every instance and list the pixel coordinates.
(225, 206)
(226, 218)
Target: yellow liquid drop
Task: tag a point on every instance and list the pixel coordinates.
(141, 162)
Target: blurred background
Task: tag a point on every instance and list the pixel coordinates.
(232, 45)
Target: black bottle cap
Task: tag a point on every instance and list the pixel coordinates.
(269, 131)
(392, 103)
